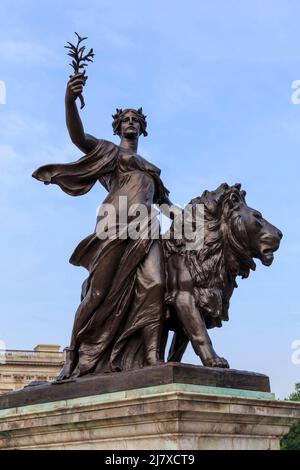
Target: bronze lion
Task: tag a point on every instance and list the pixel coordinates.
(201, 282)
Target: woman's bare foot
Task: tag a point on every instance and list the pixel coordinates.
(68, 366)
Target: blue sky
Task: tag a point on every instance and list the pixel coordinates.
(215, 79)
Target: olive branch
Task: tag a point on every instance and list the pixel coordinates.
(80, 60)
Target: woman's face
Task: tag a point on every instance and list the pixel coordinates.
(130, 126)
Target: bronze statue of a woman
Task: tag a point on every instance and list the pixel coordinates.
(119, 321)
(127, 307)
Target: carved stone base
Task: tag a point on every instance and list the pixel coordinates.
(163, 417)
(168, 373)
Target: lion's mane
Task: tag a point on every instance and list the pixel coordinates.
(225, 253)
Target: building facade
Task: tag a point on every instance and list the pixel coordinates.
(18, 368)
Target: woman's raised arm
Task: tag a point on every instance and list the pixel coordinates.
(85, 142)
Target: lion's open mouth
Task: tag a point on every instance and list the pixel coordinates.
(267, 256)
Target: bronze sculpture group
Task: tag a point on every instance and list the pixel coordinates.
(140, 288)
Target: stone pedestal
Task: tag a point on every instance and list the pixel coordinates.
(164, 417)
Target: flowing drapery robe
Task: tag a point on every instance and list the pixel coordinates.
(111, 339)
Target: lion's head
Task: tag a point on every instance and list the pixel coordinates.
(247, 233)
(234, 234)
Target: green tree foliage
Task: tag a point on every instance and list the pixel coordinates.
(292, 440)
(296, 395)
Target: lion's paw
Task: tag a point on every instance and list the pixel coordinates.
(217, 362)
